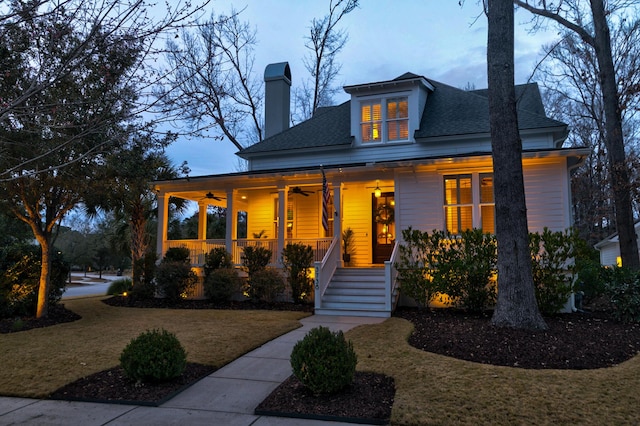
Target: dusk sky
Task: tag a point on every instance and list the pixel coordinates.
(434, 38)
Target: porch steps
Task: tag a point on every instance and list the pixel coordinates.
(355, 292)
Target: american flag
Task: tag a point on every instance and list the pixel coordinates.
(325, 202)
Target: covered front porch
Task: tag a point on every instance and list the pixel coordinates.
(273, 210)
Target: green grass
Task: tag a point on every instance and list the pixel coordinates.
(39, 361)
(437, 390)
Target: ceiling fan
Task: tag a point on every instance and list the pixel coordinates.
(298, 190)
(210, 196)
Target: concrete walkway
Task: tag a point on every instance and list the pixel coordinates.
(226, 397)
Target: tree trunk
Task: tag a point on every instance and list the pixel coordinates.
(614, 139)
(42, 307)
(516, 303)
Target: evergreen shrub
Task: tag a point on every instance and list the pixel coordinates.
(324, 361)
(153, 357)
(266, 285)
(174, 280)
(221, 284)
(297, 260)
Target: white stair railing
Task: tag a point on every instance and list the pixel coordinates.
(390, 279)
(324, 271)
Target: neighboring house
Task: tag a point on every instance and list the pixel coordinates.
(609, 248)
(405, 152)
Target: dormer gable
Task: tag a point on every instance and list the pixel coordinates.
(388, 112)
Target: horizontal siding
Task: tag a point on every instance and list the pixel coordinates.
(547, 196)
(306, 215)
(260, 214)
(609, 254)
(419, 201)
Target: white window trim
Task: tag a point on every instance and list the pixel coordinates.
(382, 100)
(476, 206)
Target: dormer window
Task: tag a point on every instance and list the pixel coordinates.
(387, 124)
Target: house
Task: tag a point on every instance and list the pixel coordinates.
(609, 248)
(404, 152)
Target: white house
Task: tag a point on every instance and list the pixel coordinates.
(609, 248)
(404, 152)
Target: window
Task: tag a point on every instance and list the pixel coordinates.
(487, 203)
(458, 203)
(397, 119)
(469, 202)
(385, 125)
(371, 124)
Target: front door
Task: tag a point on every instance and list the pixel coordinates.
(384, 229)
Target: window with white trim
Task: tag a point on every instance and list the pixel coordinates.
(469, 202)
(388, 124)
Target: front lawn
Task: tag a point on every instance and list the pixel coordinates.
(434, 389)
(39, 361)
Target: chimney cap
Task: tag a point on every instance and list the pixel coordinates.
(278, 71)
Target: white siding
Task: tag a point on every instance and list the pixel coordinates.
(609, 254)
(547, 195)
(419, 201)
(306, 217)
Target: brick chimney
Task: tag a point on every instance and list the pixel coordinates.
(277, 98)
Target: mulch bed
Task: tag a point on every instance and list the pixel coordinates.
(574, 341)
(114, 386)
(57, 314)
(367, 400)
(206, 304)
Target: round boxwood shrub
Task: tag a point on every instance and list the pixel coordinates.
(324, 361)
(154, 356)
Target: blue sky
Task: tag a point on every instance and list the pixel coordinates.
(434, 38)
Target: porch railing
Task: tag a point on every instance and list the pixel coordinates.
(391, 280)
(198, 248)
(324, 270)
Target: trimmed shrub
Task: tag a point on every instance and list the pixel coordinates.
(323, 361)
(255, 258)
(120, 286)
(551, 253)
(461, 267)
(174, 280)
(154, 356)
(297, 259)
(177, 254)
(465, 267)
(221, 284)
(623, 291)
(217, 258)
(415, 266)
(266, 285)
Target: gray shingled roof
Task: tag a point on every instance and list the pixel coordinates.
(449, 111)
(330, 126)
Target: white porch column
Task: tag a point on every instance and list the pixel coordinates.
(202, 220)
(282, 220)
(163, 219)
(232, 215)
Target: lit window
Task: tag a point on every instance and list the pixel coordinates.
(388, 124)
(461, 211)
(487, 203)
(458, 203)
(397, 119)
(371, 124)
